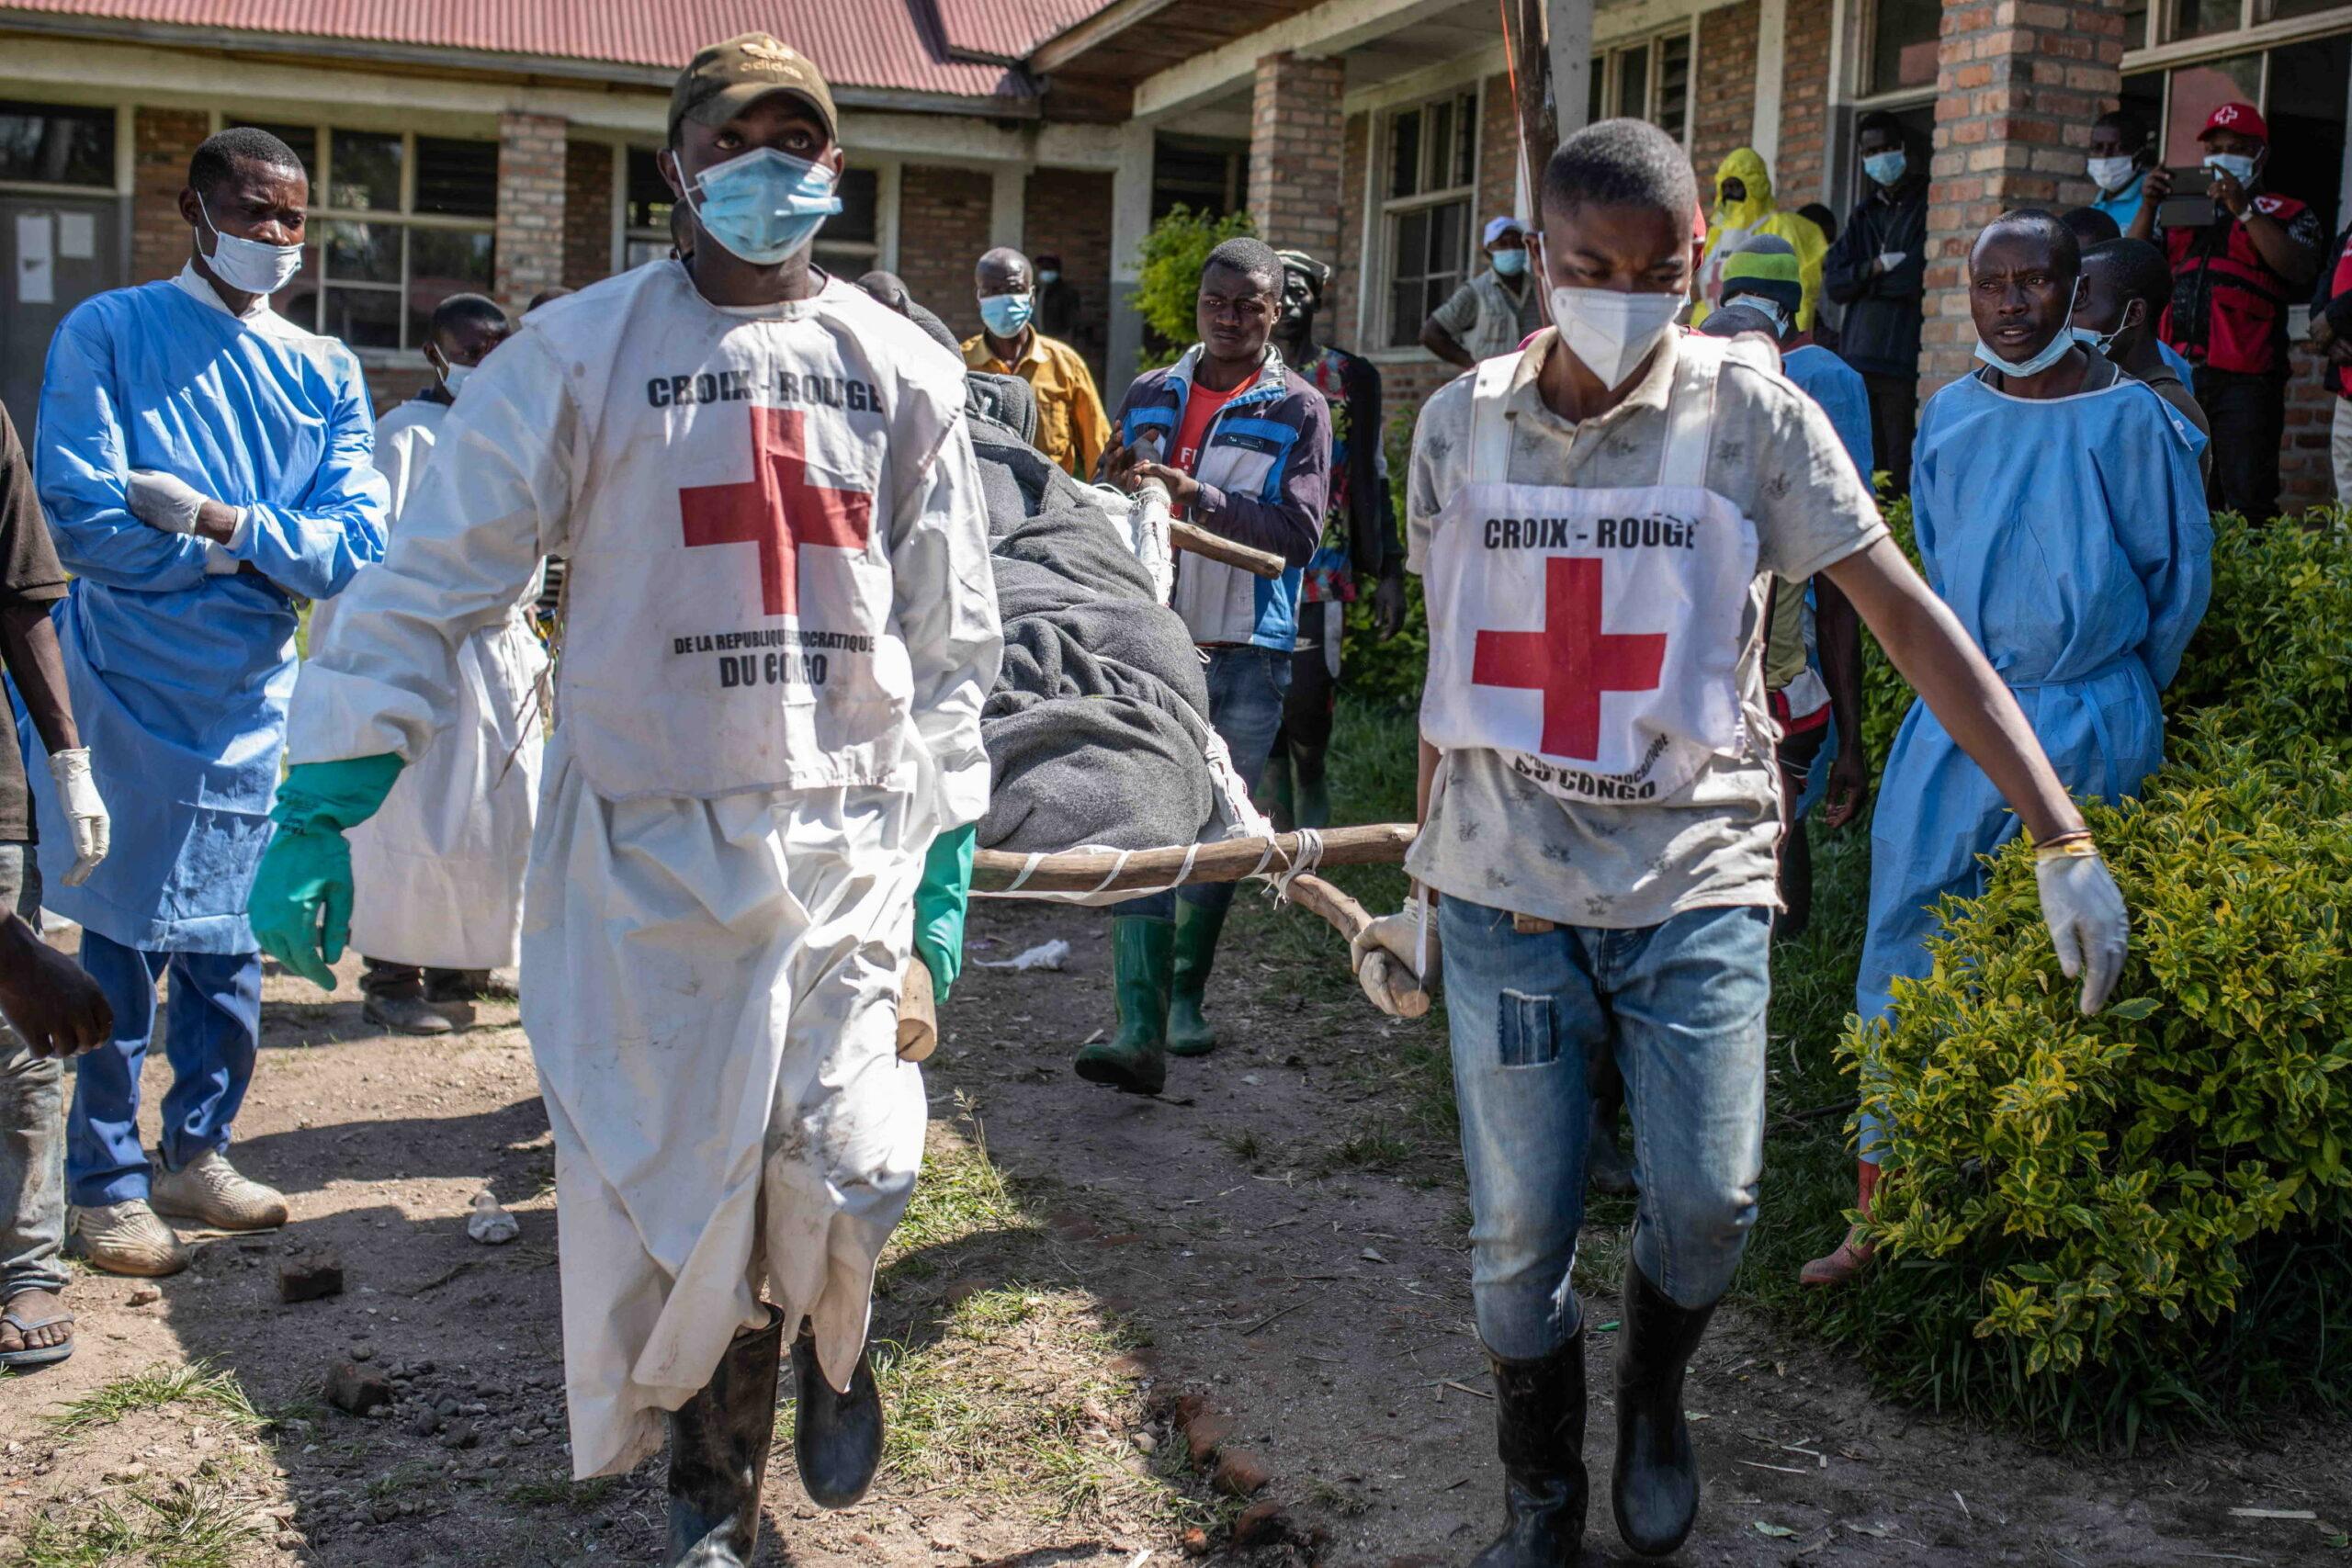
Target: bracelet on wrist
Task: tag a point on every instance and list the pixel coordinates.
(2077, 845)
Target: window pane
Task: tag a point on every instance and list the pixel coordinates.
(366, 172)
(2198, 91)
(1634, 82)
(55, 145)
(442, 262)
(1408, 258)
(2281, 9)
(299, 300)
(1674, 84)
(364, 317)
(1466, 140)
(1437, 122)
(649, 195)
(2136, 23)
(1449, 246)
(1596, 97)
(2306, 115)
(362, 252)
(1903, 44)
(853, 224)
(1405, 154)
(457, 179)
(303, 139)
(2196, 19)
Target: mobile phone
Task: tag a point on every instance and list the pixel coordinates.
(2189, 207)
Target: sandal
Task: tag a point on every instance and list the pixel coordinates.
(31, 1356)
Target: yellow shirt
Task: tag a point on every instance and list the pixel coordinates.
(1071, 426)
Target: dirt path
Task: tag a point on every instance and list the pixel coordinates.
(1278, 1242)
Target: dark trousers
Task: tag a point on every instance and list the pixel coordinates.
(2248, 414)
(1304, 738)
(1895, 424)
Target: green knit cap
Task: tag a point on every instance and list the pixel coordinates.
(1765, 267)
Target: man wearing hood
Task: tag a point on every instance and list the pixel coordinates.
(1745, 210)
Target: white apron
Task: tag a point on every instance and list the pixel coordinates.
(1591, 637)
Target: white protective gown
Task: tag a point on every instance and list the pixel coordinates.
(442, 861)
(782, 625)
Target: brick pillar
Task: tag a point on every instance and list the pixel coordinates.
(530, 207)
(163, 140)
(1802, 174)
(1725, 91)
(587, 212)
(2018, 83)
(1295, 128)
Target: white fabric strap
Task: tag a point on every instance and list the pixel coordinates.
(1489, 426)
(1690, 413)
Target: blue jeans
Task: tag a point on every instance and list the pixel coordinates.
(1682, 1006)
(32, 1124)
(1247, 689)
(212, 1032)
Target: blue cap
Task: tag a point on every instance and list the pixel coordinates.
(1498, 227)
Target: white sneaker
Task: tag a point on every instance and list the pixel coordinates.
(208, 1190)
(127, 1238)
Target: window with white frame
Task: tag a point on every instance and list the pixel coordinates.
(56, 144)
(1648, 78)
(1428, 183)
(399, 223)
(847, 244)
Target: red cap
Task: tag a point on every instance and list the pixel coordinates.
(2241, 118)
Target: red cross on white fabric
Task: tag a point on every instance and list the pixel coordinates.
(1571, 661)
(777, 509)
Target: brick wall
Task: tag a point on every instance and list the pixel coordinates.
(2307, 477)
(2018, 83)
(943, 228)
(1295, 128)
(587, 212)
(530, 234)
(163, 140)
(1346, 286)
(1801, 175)
(1723, 110)
(1067, 212)
(1498, 153)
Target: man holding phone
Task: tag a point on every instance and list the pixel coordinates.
(2233, 274)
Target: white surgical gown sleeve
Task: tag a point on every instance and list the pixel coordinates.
(946, 610)
(495, 497)
(2164, 530)
(314, 549)
(80, 463)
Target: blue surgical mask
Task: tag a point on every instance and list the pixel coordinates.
(1050, 275)
(764, 205)
(1006, 315)
(1887, 168)
(1509, 264)
(2237, 165)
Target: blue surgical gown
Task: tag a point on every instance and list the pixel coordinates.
(179, 678)
(1839, 388)
(2070, 538)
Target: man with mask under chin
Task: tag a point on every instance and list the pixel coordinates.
(205, 465)
(782, 626)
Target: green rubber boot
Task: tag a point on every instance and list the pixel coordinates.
(1190, 1035)
(1132, 1061)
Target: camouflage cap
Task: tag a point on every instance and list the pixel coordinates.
(725, 79)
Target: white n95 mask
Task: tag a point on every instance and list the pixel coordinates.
(248, 265)
(1612, 333)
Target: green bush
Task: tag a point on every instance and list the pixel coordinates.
(1168, 283)
(2274, 643)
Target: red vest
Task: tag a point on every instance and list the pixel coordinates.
(2229, 309)
(2340, 377)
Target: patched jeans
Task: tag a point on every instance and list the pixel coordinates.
(32, 1126)
(1247, 689)
(1682, 1005)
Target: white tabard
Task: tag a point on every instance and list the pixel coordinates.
(781, 626)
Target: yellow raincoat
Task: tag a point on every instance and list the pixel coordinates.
(1734, 221)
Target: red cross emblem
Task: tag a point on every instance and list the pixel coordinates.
(777, 509)
(1572, 661)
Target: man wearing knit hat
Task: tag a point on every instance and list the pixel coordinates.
(782, 625)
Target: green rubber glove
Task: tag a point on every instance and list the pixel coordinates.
(300, 905)
(940, 900)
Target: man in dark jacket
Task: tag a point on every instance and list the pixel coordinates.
(1877, 270)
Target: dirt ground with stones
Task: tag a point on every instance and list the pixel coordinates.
(1259, 1270)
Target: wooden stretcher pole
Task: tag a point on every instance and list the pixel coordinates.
(1194, 540)
(918, 1012)
(1349, 918)
(1230, 860)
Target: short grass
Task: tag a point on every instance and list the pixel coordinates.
(200, 1527)
(199, 1385)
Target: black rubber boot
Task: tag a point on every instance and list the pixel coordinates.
(836, 1437)
(1538, 1432)
(719, 1451)
(1656, 1487)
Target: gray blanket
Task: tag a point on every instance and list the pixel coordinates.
(1086, 728)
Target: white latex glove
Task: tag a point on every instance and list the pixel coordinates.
(1889, 260)
(164, 500)
(2088, 924)
(1385, 956)
(85, 814)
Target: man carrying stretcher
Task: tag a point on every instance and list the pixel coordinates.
(782, 626)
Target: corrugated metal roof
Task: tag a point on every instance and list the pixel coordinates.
(895, 44)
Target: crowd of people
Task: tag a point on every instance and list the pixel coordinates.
(1645, 519)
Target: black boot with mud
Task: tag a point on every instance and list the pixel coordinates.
(719, 1451)
(836, 1437)
(1539, 1433)
(1655, 1488)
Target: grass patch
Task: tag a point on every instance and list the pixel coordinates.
(1367, 1151)
(199, 1528)
(200, 1385)
(562, 1493)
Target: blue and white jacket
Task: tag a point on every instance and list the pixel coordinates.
(1264, 470)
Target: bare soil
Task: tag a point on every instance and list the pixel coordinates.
(1280, 1236)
